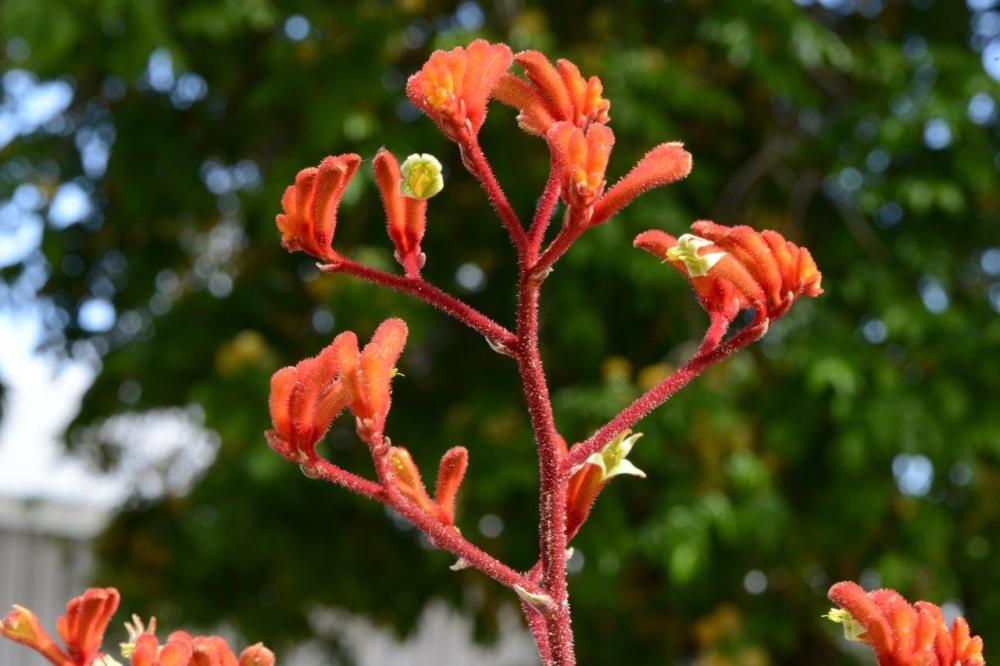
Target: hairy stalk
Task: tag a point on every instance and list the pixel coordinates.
(475, 161)
(552, 491)
(498, 335)
(543, 214)
(708, 354)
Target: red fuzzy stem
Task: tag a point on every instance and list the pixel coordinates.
(552, 503)
(557, 248)
(543, 214)
(708, 354)
(329, 472)
(475, 161)
(428, 293)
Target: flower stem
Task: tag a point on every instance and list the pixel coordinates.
(708, 354)
(475, 161)
(425, 291)
(553, 484)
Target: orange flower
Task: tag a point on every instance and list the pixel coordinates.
(310, 206)
(903, 635)
(732, 268)
(148, 652)
(87, 616)
(581, 159)
(22, 626)
(453, 87)
(306, 398)
(552, 94)
(595, 473)
(406, 217)
(407, 479)
(82, 628)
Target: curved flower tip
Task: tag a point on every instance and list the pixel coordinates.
(582, 158)
(552, 94)
(451, 473)
(901, 634)
(148, 652)
(732, 268)
(453, 87)
(310, 206)
(666, 163)
(87, 617)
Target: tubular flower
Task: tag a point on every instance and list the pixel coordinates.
(901, 634)
(408, 481)
(310, 206)
(591, 477)
(405, 211)
(732, 268)
(22, 626)
(148, 652)
(87, 617)
(81, 629)
(664, 164)
(453, 87)
(552, 94)
(581, 159)
(306, 398)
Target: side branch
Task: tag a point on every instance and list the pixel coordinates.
(709, 354)
(543, 214)
(497, 335)
(475, 161)
(446, 537)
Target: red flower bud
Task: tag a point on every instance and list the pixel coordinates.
(451, 472)
(582, 159)
(310, 206)
(552, 94)
(664, 164)
(87, 617)
(901, 634)
(453, 87)
(372, 394)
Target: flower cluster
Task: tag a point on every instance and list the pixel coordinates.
(901, 634)
(732, 268)
(82, 631)
(306, 398)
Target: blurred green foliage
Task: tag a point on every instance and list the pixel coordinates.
(796, 464)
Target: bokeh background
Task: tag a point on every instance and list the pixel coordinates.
(145, 301)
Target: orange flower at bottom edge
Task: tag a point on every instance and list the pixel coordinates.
(901, 634)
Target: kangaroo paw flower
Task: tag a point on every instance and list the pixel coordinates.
(732, 268)
(310, 206)
(901, 634)
(453, 87)
(582, 158)
(552, 94)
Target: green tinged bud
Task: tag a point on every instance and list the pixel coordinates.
(422, 177)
